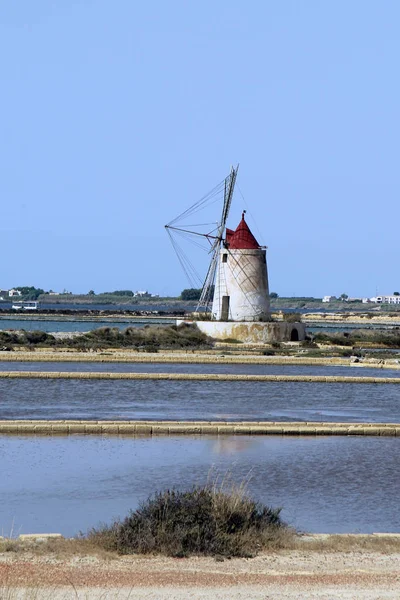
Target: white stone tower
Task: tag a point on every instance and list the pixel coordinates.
(241, 286)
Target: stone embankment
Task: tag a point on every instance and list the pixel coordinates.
(191, 357)
(151, 428)
(366, 318)
(196, 377)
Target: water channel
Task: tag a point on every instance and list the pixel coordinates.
(198, 400)
(154, 367)
(67, 484)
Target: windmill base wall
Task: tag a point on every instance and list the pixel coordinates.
(252, 332)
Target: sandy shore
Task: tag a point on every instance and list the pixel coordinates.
(300, 574)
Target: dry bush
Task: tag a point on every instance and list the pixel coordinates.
(149, 338)
(209, 520)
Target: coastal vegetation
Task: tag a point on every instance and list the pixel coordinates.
(210, 520)
(152, 338)
(148, 338)
(360, 337)
(29, 292)
(191, 294)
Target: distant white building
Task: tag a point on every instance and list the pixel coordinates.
(334, 299)
(13, 292)
(392, 299)
(141, 293)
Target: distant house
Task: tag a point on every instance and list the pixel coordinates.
(142, 294)
(3, 294)
(12, 293)
(390, 299)
(329, 298)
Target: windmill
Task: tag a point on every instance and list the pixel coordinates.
(213, 238)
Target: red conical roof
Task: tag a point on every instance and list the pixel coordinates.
(241, 238)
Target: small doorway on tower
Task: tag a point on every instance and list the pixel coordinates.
(294, 335)
(225, 308)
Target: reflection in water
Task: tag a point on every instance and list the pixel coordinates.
(230, 445)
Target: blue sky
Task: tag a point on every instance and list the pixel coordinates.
(116, 116)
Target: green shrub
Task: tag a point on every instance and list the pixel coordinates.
(8, 339)
(345, 353)
(37, 337)
(191, 294)
(201, 521)
(150, 338)
(390, 338)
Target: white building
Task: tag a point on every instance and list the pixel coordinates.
(389, 299)
(13, 292)
(241, 286)
(141, 293)
(329, 298)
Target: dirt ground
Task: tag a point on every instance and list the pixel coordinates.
(290, 574)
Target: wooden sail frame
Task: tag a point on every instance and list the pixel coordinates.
(215, 238)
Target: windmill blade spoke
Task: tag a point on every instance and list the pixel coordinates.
(211, 197)
(187, 266)
(206, 294)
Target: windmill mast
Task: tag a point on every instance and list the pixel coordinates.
(207, 291)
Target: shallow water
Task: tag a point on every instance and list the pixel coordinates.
(340, 484)
(198, 400)
(152, 367)
(53, 326)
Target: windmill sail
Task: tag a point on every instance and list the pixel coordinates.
(178, 227)
(207, 291)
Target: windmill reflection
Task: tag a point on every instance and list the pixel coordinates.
(233, 444)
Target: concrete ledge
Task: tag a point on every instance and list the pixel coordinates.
(155, 428)
(195, 377)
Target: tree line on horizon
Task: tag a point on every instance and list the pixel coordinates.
(188, 294)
